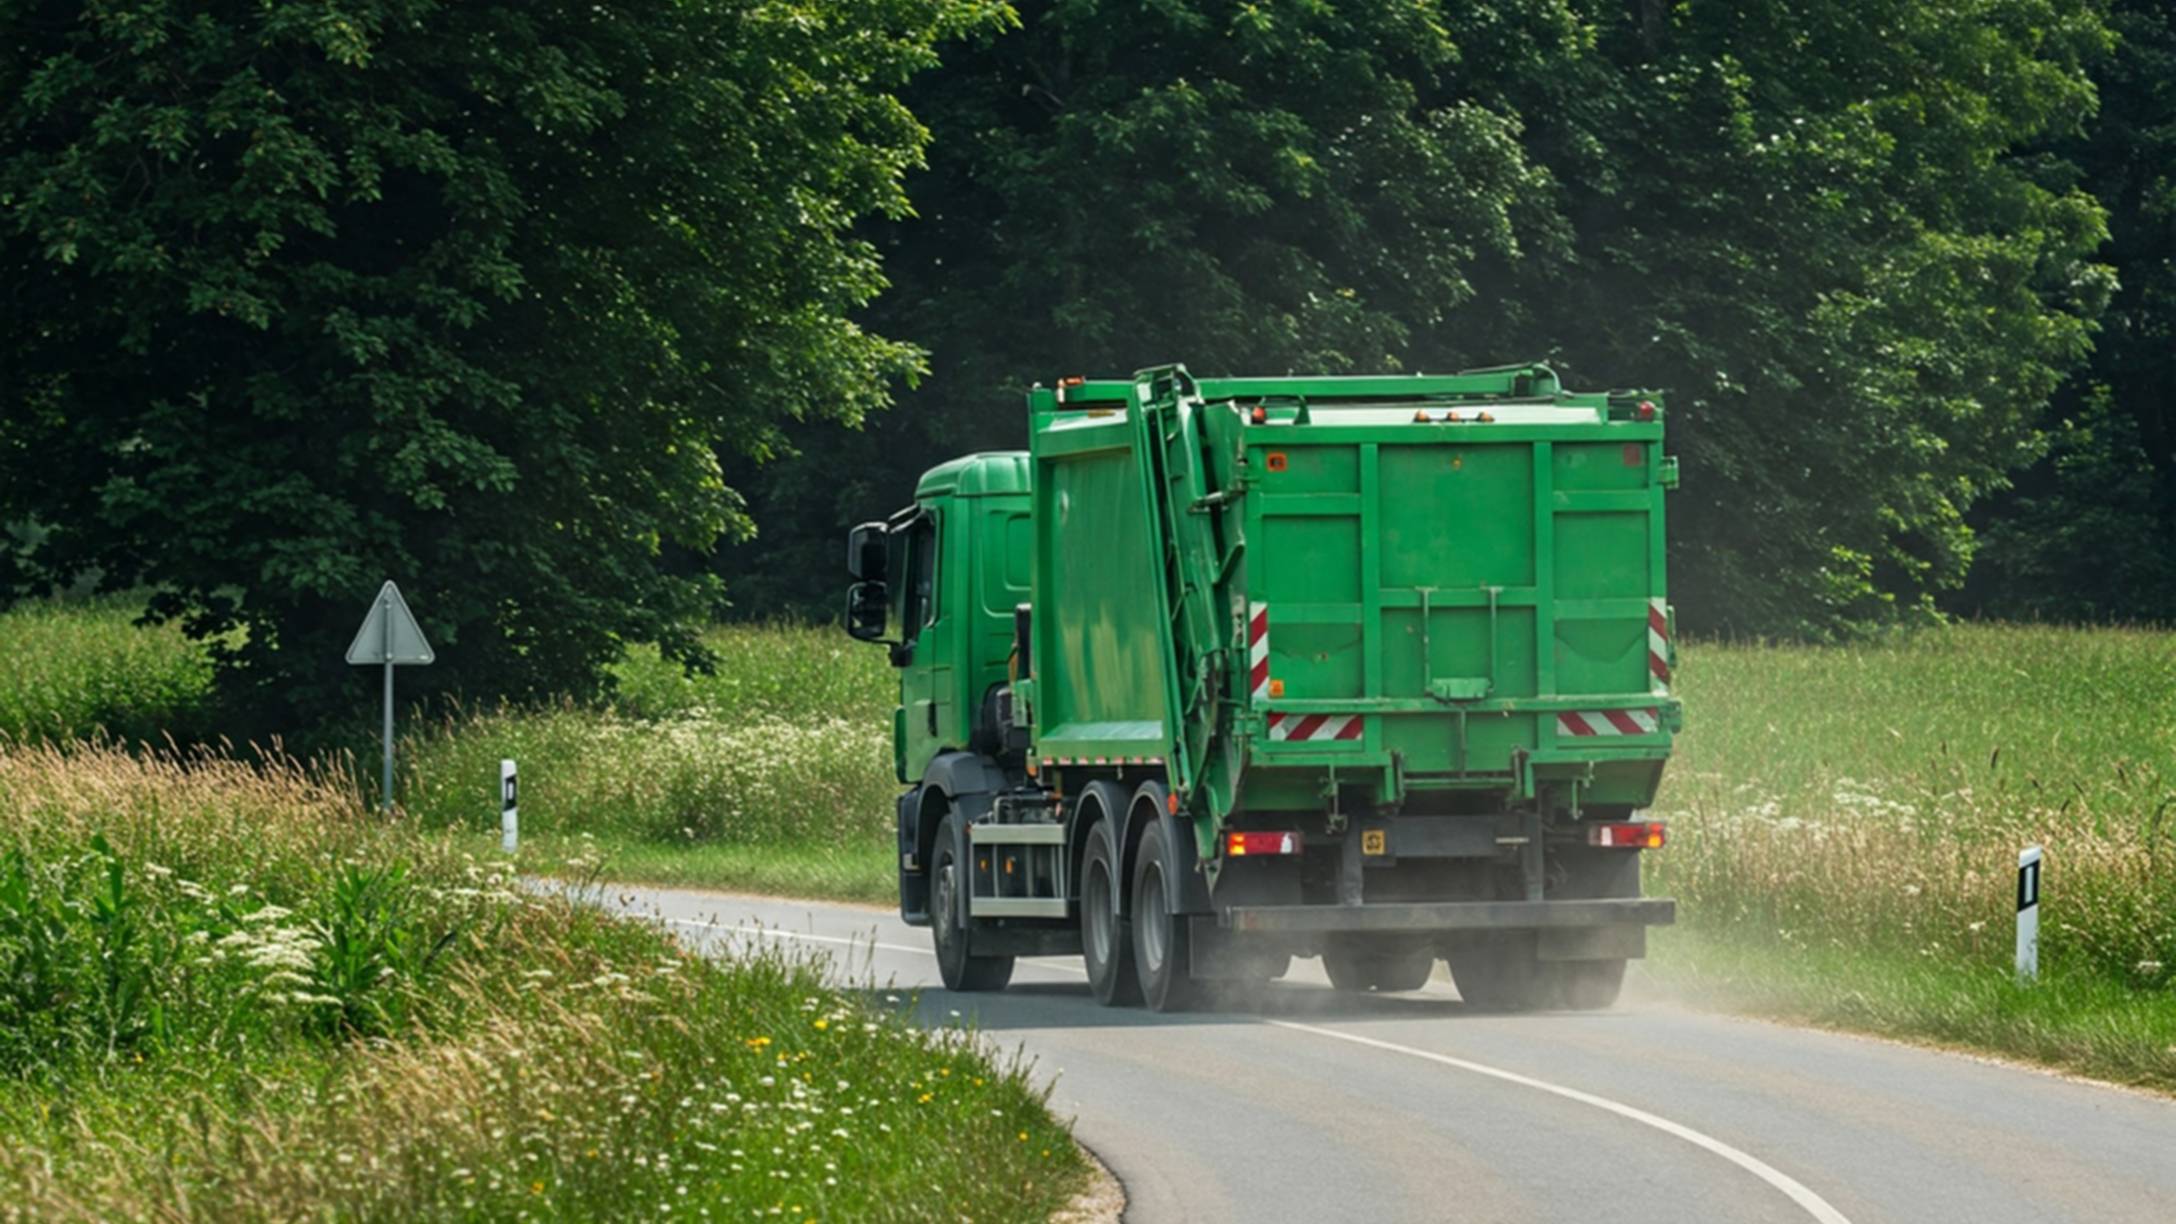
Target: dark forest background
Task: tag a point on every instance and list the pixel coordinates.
(594, 322)
(1907, 278)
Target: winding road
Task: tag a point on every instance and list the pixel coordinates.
(1314, 1106)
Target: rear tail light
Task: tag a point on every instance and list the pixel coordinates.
(1626, 834)
(1236, 844)
(1259, 415)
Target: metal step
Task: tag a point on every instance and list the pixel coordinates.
(1016, 834)
(1017, 907)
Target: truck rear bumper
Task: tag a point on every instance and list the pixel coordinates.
(1453, 915)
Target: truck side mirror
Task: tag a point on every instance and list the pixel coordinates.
(865, 604)
(868, 553)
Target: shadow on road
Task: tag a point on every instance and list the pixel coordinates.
(1027, 1006)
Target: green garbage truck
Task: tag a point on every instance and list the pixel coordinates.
(1226, 671)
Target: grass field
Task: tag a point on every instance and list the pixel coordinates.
(1845, 824)
(773, 774)
(1844, 820)
(232, 991)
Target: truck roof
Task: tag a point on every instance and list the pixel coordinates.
(988, 474)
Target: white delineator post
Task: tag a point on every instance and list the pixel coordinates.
(2028, 914)
(509, 819)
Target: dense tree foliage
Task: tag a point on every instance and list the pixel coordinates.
(2090, 532)
(300, 295)
(510, 302)
(1816, 222)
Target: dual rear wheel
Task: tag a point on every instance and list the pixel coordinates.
(1502, 972)
(1142, 958)
(1356, 967)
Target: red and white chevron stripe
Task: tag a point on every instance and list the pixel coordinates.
(1608, 722)
(1315, 726)
(1289, 727)
(1258, 650)
(1658, 646)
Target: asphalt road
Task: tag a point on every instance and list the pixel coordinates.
(1314, 1106)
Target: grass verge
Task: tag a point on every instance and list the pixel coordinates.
(862, 872)
(1845, 823)
(231, 993)
(2076, 1022)
(1844, 820)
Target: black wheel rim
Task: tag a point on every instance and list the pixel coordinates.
(1097, 902)
(1153, 921)
(946, 910)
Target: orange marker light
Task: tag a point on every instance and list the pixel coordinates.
(1276, 688)
(1277, 461)
(1421, 417)
(1259, 416)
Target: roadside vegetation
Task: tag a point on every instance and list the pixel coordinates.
(771, 774)
(81, 669)
(1845, 824)
(233, 991)
(1844, 820)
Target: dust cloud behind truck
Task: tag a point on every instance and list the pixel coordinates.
(1224, 671)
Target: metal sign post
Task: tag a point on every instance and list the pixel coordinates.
(2028, 914)
(390, 637)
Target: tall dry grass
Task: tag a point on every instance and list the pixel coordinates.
(248, 997)
(1876, 797)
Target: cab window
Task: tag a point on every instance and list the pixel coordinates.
(921, 606)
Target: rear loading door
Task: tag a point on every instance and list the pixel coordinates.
(1460, 595)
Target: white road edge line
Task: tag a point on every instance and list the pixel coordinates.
(1793, 1189)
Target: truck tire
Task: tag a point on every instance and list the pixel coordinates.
(961, 970)
(1356, 969)
(1106, 942)
(1160, 938)
(1499, 971)
(1589, 985)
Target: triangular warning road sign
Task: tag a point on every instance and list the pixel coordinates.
(390, 633)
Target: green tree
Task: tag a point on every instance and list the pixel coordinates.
(302, 294)
(1267, 187)
(2090, 531)
(1821, 225)
(1817, 223)
(2086, 537)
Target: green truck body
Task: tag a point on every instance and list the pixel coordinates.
(1225, 671)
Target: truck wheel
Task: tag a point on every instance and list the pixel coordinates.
(961, 970)
(1160, 942)
(1354, 969)
(1586, 985)
(1105, 942)
(1499, 972)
